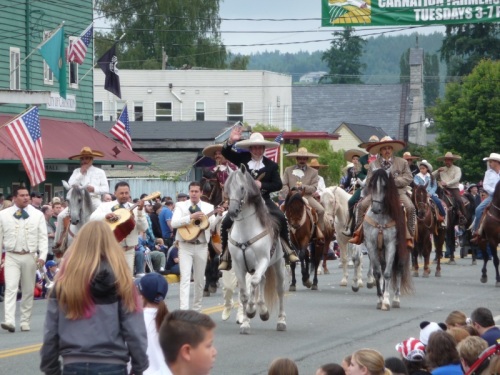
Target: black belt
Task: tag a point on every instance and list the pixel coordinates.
(195, 242)
(22, 252)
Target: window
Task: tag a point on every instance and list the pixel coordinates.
(98, 114)
(163, 111)
(119, 108)
(234, 112)
(200, 111)
(15, 68)
(48, 75)
(138, 111)
(73, 67)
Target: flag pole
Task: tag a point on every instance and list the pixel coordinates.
(281, 159)
(19, 115)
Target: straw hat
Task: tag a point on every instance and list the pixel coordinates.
(372, 139)
(407, 156)
(209, 151)
(493, 156)
(315, 164)
(302, 153)
(386, 141)
(87, 151)
(349, 165)
(256, 139)
(449, 155)
(427, 165)
(353, 152)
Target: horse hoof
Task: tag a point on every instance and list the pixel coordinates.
(484, 279)
(264, 317)
(314, 287)
(355, 288)
(474, 262)
(244, 330)
(438, 273)
(307, 283)
(379, 305)
(251, 315)
(326, 271)
(415, 274)
(343, 282)
(361, 284)
(292, 288)
(212, 289)
(426, 274)
(396, 304)
(386, 307)
(206, 293)
(370, 285)
(281, 327)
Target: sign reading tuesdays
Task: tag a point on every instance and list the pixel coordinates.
(408, 12)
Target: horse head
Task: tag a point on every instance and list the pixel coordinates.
(79, 203)
(294, 208)
(236, 192)
(421, 200)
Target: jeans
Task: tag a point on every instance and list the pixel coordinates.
(479, 212)
(94, 369)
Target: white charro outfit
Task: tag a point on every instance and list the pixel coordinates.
(192, 254)
(21, 238)
(94, 177)
(131, 241)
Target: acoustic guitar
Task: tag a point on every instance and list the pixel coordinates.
(125, 223)
(190, 231)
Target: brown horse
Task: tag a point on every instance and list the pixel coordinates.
(301, 232)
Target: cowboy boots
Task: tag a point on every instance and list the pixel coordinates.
(288, 248)
(348, 229)
(225, 257)
(356, 238)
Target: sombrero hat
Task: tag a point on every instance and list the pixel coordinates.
(372, 139)
(315, 164)
(386, 141)
(353, 152)
(493, 156)
(87, 151)
(449, 155)
(407, 156)
(302, 153)
(256, 139)
(427, 165)
(209, 151)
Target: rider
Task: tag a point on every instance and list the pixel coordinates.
(305, 179)
(410, 159)
(222, 166)
(321, 181)
(450, 176)
(424, 177)
(399, 169)
(266, 175)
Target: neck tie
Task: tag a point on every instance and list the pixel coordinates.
(122, 205)
(194, 208)
(21, 214)
(386, 164)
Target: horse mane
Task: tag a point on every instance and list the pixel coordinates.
(292, 197)
(496, 195)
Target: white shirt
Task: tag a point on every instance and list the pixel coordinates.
(490, 180)
(182, 217)
(94, 177)
(255, 164)
(321, 185)
(157, 364)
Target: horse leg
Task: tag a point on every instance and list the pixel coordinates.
(293, 286)
(496, 262)
(245, 323)
(427, 253)
(279, 269)
(261, 303)
(206, 291)
(304, 268)
(396, 303)
(344, 261)
(438, 244)
(356, 280)
(315, 261)
(414, 260)
(255, 283)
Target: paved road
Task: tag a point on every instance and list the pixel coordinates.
(323, 326)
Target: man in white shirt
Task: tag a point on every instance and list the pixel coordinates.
(23, 233)
(106, 212)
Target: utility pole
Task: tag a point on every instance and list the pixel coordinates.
(164, 58)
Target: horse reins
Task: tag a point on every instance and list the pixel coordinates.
(381, 228)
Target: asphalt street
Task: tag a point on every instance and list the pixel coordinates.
(322, 326)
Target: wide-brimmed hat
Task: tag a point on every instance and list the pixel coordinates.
(371, 140)
(87, 151)
(471, 186)
(353, 152)
(407, 156)
(412, 349)
(315, 164)
(349, 165)
(386, 141)
(449, 155)
(256, 139)
(427, 165)
(209, 151)
(302, 153)
(493, 156)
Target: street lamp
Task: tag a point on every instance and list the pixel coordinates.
(428, 122)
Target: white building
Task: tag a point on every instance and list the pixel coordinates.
(198, 95)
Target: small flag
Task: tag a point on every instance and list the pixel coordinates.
(52, 51)
(272, 153)
(121, 130)
(26, 135)
(108, 63)
(78, 48)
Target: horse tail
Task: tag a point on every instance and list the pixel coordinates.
(401, 268)
(270, 293)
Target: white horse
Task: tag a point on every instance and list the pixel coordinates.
(334, 200)
(255, 248)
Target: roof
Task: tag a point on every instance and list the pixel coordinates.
(364, 132)
(62, 139)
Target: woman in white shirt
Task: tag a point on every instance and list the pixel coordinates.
(425, 177)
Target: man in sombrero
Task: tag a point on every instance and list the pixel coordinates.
(399, 169)
(321, 181)
(222, 166)
(267, 177)
(410, 159)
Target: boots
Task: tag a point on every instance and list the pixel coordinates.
(289, 252)
(356, 238)
(225, 259)
(349, 227)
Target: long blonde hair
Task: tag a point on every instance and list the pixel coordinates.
(94, 244)
(372, 360)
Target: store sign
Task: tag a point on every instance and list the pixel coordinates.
(58, 103)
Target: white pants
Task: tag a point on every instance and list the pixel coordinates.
(195, 257)
(229, 284)
(19, 267)
(130, 258)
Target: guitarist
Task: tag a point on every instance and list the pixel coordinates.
(105, 212)
(193, 254)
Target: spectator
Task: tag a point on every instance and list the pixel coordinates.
(36, 200)
(469, 350)
(458, 333)
(187, 342)
(456, 319)
(442, 355)
(93, 315)
(160, 246)
(330, 369)
(367, 362)
(165, 219)
(157, 257)
(155, 219)
(482, 320)
(396, 366)
(51, 230)
(173, 259)
(106, 197)
(283, 366)
(413, 355)
(346, 362)
(494, 366)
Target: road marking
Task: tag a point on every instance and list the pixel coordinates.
(20, 351)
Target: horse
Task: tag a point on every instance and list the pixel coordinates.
(335, 201)
(255, 247)
(302, 228)
(384, 231)
(79, 209)
(491, 235)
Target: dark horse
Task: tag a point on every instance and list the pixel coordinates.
(211, 193)
(491, 234)
(427, 224)
(301, 232)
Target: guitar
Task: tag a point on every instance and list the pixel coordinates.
(190, 231)
(125, 223)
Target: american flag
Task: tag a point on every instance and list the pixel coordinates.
(26, 135)
(121, 130)
(78, 48)
(272, 153)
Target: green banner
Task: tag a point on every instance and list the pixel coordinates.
(408, 12)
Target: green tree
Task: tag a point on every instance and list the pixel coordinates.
(431, 79)
(468, 118)
(344, 58)
(404, 67)
(187, 30)
(239, 62)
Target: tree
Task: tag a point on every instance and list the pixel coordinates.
(465, 45)
(344, 58)
(468, 118)
(187, 30)
(239, 62)
(404, 67)
(431, 79)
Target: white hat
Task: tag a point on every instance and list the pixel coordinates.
(256, 139)
(427, 164)
(493, 156)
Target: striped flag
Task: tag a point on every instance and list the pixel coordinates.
(121, 130)
(78, 48)
(273, 153)
(27, 136)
